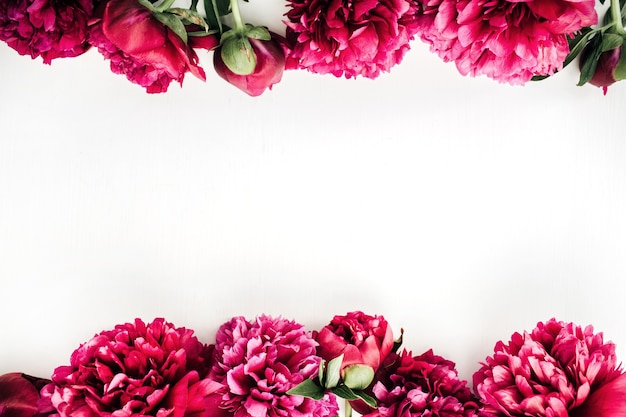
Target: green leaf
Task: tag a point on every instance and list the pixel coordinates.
(342, 391)
(333, 372)
(164, 6)
(212, 14)
(258, 32)
(174, 23)
(358, 376)
(308, 388)
(369, 400)
(238, 55)
(190, 16)
(147, 5)
(590, 63)
(398, 342)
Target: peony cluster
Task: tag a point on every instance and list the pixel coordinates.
(509, 41)
(553, 371)
(273, 367)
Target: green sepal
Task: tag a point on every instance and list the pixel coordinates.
(358, 376)
(147, 5)
(320, 370)
(190, 17)
(238, 55)
(619, 73)
(611, 41)
(164, 6)
(333, 372)
(258, 32)
(172, 22)
(308, 388)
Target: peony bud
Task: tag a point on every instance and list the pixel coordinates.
(266, 59)
(611, 68)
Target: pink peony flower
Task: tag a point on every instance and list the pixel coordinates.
(19, 394)
(350, 38)
(141, 47)
(425, 385)
(509, 41)
(607, 401)
(134, 370)
(47, 28)
(548, 372)
(258, 362)
(361, 338)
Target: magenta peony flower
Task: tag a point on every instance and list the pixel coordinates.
(425, 385)
(47, 28)
(134, 370)
(141, 47)
(360, 37)
(270, 63)
(19, 395)
(362, 339)
(509, 41)
(548, 372)
(258, 362)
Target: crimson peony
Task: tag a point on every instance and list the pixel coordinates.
(424, 385)
(548, 372)
(19, 395)
(258, 362)
(509, 41)
(350, 38)
(47, 28)
(141, 47)
(137, 369)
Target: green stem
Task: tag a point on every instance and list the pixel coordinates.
(348, 409)
(616, 18)
(239, 25)
(194, 5)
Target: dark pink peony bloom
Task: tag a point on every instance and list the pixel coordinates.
(509, 41)
(362, 339)
(548, 372)
(141, 47)
(258, 362)
(270, 63)
(360, 37)
(47, 28)
(19, 395)
(607, 401)
(134, 370)
(425, 385)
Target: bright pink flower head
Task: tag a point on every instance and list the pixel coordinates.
(509, 41)
(350, 38)
(47, 28)
(360, 338)
(141, 47)
(19, 395)
(134, 370)
(258, 362)
(547, 372)
(425, 385)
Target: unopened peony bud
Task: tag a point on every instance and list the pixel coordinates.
(269, 63)
(611, 68)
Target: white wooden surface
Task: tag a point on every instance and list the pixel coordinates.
(460, 209)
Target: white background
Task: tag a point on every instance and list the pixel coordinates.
(460, 209)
